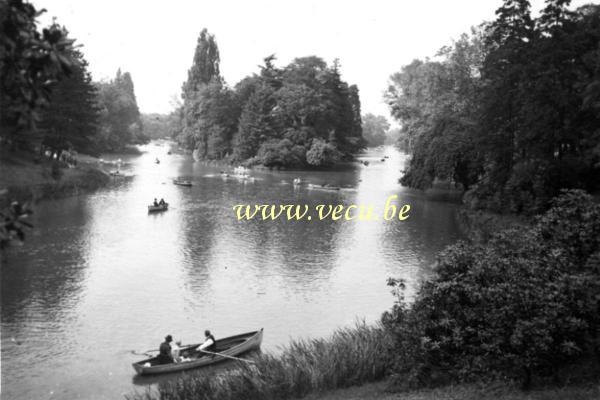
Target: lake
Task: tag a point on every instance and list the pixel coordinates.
(100, 277)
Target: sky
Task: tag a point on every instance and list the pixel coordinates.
(155, 40)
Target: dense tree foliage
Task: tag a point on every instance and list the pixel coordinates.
(524, 304)
(30, 63)
(436, 103)
(159, 126)
(375, 129)
(299, 115)
(72, 116)
(509, 112)
(47, 99)
(119, 114)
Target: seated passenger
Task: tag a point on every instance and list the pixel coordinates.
(175, 349)
(164, 356)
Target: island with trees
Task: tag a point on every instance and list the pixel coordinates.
(301, 115)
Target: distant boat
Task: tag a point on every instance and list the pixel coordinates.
(232, 346)
(114, 173)
(157, 161)
(297, 181)
(182, 182)
(323, 187)
(161, 207)
(366, 163)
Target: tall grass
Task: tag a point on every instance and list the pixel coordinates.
(351, 356)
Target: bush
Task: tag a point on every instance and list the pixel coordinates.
(55, 170)
(280, 153)
(525, 303)
(322, 154)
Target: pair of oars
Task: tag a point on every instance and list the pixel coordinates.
(146, 353)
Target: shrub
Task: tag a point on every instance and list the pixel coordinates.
(526, 302)
(322, 154)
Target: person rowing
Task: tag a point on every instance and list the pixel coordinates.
(210, 344)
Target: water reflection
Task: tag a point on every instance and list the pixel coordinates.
(102, 277)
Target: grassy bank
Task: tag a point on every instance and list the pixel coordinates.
(500, 391)
(351, 356)
(24, 178)
(350, 365)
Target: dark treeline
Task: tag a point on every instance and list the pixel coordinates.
(300, 115)
(511, 112)
(47, 97)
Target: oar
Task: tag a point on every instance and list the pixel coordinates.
(182, 347)
(226, 356)
(144, 353)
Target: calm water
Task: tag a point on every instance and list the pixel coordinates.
(99, 277)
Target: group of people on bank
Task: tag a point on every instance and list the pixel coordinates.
(169, 352)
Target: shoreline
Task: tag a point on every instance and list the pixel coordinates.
(25, 180)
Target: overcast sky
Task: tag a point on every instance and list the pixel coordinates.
(155, 40)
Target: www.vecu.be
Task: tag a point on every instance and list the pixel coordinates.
(298, 212)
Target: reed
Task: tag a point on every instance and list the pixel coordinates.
(351, 356)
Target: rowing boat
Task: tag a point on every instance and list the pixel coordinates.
(323, 187)
(182, 183)
(160, 207)
(232, 346)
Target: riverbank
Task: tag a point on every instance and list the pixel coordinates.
(25, 178)
(353, 364)
(499, 391)
(351, 356)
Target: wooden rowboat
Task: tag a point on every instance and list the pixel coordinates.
(323, 187)
(160, 207)
(182, 183)
(232, 346)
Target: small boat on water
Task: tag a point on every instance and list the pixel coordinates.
(232, 346)
(157, 161)
(182, 182)
(323, 187)
(158, 208)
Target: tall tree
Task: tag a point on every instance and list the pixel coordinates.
(72, 116)
(30, 62)
(205, 66)
(511, 114)
(119, 114)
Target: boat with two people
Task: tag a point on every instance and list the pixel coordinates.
(158, 206)
(191, 357)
